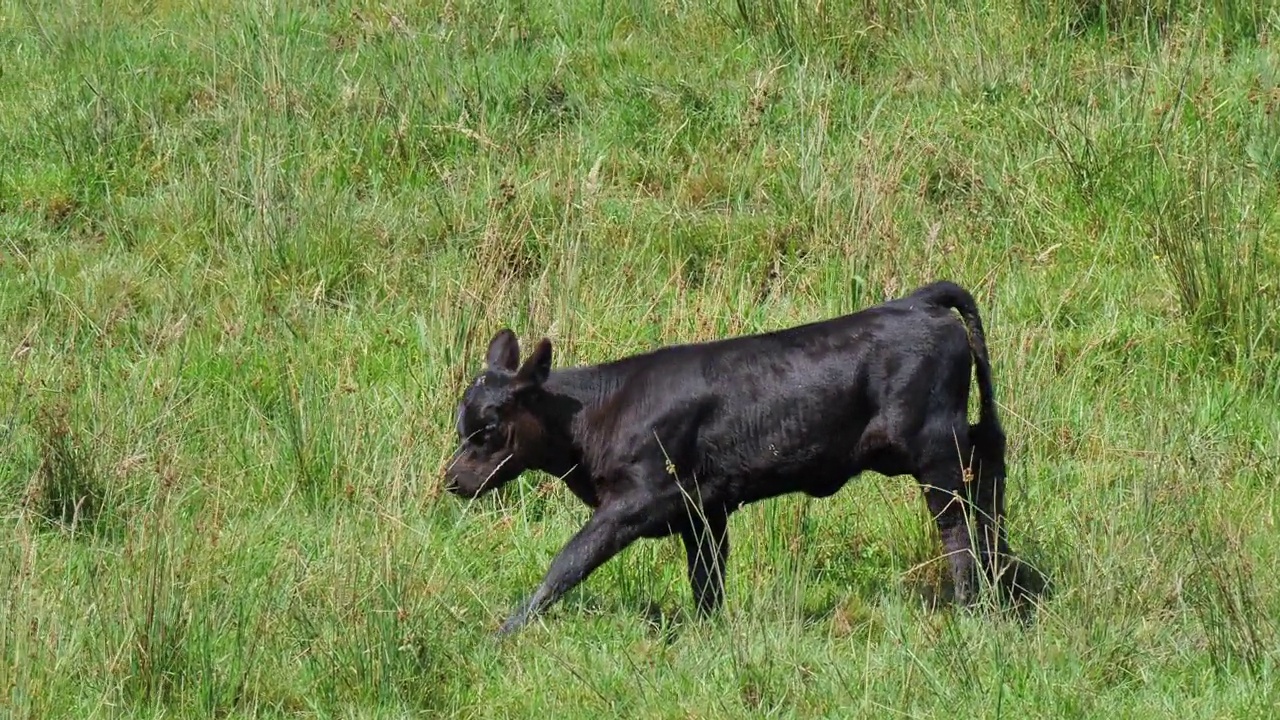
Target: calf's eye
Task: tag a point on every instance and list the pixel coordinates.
(481, 436)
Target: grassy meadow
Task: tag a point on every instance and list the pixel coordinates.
(251, 252)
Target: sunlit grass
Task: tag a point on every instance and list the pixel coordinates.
(250, 253)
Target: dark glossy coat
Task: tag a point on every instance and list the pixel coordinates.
(676, 439)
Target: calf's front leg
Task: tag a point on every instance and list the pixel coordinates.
(706, 546)
(609, 531)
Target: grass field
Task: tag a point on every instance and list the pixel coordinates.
(251, 252)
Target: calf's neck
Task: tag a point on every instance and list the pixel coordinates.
(674, 440)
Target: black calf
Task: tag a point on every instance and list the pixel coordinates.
(676, 439)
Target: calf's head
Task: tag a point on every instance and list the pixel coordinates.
(499, 429)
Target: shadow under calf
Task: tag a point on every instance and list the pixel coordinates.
(674, 440)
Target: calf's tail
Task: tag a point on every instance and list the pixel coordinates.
(988, 438)
(947, 294)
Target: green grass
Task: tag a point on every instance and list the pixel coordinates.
(250, 253)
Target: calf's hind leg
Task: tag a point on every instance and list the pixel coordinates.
(944, 495)
(968, 507)
(1013, 578)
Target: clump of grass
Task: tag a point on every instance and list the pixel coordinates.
(1224, 598)
(159, 652)
(182, 638)
(372, 638)
(1148, 22)
(313, 442)
(1149, 18)
(1209, 232)
(68, 490)
(850, 35)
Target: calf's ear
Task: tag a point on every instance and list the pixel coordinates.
(535, 370)
(504, 351)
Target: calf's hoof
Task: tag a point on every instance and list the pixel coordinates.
(514, 622)
(509, 628)
(1025, 583)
